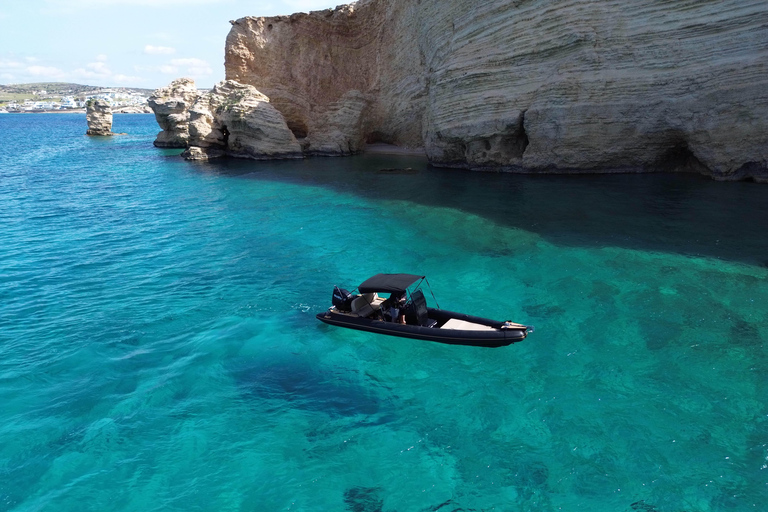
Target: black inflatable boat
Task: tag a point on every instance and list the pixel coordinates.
(406, 314)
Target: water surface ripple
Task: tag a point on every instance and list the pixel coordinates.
(159, 351)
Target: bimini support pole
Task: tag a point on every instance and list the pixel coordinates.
(433, 293)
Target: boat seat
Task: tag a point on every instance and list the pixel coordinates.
(366, 304)
(419, 310)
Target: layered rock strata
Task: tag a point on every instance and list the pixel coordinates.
(98, 115)
(171, 106)
(232, 119)
(237, 120)
(533, 86)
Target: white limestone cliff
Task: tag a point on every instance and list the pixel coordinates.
(529, 85)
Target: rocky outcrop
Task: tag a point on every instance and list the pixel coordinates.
(232, 119)
(323, 72)
(237, 120)
(98, 115)
(171, 106)
(532, 86)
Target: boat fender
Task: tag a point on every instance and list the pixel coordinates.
(509, 324)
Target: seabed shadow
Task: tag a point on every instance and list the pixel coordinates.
(668, 212)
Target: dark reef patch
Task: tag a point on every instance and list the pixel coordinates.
(744, 333)
(363, 499)
(642, 506)
(307, 387)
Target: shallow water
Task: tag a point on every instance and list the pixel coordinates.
(159, 351)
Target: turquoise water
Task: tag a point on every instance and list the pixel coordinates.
(159, 351)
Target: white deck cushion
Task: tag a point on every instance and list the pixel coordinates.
(463, 325)
(366, 304)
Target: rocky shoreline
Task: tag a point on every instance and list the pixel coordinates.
(232, 119)
(521, 87)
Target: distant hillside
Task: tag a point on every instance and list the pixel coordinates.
(54, 90)
(64, 88)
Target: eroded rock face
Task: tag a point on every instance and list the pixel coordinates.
(533, 86)
(171, 106)
(238, 120)
(98, 115)
(323, 72)
(232, 119)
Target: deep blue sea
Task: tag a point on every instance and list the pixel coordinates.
(159, 349)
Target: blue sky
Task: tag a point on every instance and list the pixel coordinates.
(131, 43)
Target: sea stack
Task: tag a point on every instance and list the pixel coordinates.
(99, 118)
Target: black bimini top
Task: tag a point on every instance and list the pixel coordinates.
(388, 283)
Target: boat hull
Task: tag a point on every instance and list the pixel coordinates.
(492, 336)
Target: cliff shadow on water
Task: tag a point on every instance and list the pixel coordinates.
(675, 213)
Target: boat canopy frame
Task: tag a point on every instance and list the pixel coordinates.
(388, 283)
(394, 283)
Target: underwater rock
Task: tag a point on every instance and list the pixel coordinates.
(307, 388)
(363, 499)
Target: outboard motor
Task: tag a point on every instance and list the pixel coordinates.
(342, 299)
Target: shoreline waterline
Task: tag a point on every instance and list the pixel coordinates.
(391, 149)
